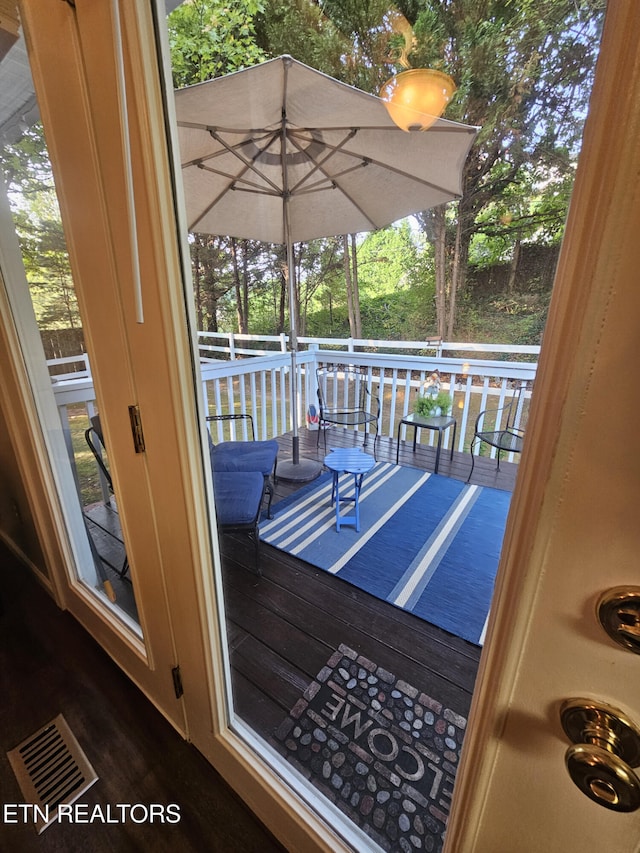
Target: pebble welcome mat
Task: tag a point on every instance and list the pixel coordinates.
(382, 750)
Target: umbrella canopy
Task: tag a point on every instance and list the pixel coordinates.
(282, 153)
(347, 166)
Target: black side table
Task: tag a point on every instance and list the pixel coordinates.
(439, 423)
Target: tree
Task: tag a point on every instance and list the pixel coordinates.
(212, 275)
(524, 73)
(352, 282)
(29, 178)
(49, 274)
(396, 283)
(208, 38)
(301, 29)
(316, 262)
(369, 31)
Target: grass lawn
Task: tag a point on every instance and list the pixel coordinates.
(86, 467)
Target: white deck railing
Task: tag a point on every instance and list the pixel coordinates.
(260, 385)
(234, 344)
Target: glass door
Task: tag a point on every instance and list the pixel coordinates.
(125, 522)
(270, 674)
(104, 88)
(39, 288)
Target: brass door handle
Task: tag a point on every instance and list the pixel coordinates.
(619, 614)
(606, 746)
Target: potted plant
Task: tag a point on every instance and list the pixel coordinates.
(433, 405)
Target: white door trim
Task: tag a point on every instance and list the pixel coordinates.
(589, 343)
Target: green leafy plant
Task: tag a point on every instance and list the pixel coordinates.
(430, 405)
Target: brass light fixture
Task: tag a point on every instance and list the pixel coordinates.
(415, 99)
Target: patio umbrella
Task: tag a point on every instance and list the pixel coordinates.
(282, 153)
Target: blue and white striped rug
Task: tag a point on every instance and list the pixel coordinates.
(428, 544)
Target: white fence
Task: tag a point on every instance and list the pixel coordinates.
(232, 345)
(260, 385)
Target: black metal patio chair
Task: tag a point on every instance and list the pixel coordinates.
(345, 400)
(95, 441)
(497, 427)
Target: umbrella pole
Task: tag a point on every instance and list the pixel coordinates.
(297, 470)
(293, 344)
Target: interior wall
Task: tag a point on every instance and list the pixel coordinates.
(17, 527)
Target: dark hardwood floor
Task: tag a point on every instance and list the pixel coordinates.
(50, 665)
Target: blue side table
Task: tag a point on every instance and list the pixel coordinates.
(348, 461)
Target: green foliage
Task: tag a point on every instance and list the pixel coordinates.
(531, 209)
(518, 318)
(389, 259)
(366, 37)
(395, 272)
(299, 28)
(523, 71)
(403, 315)
(25, 165)
(208, 38)
(427, 405)
(36, 215)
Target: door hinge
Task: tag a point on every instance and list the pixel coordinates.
(136, 428)
(177, 681)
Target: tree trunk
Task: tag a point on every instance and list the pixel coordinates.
(244, 329)
(213, 313)
(236, 283)
(440, 257)
(300, 314)
(356, 287)
(284, 289)
(349, 286)
(240, 263)
(197, 281)
(453, 288)
(459, 263)
(515, 259)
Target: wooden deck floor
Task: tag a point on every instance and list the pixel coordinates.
(283, 627)
(103, 525)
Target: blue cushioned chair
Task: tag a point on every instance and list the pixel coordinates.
(239, 496)
(230, 456)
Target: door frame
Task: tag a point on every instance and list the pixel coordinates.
(583, 384)
(173, 477)
(161, 492)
